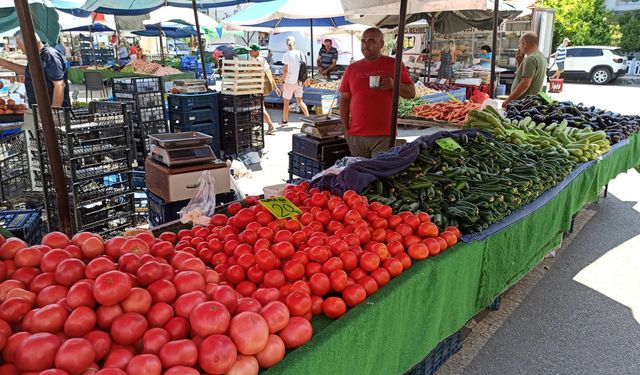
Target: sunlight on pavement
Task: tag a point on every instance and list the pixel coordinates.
(617, 275)
(625, 188)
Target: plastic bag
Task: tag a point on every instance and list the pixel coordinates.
(203, 205)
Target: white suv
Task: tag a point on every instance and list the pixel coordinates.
(597, 64)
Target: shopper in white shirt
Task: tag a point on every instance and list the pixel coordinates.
(292, 86)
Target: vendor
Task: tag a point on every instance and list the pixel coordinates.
(327, 58)
(447, 59)
(55, 73)
(486, 56)
(123, 54)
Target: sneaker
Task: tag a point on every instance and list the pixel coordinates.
(270, 131)
(283, 123)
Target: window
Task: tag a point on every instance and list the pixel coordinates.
(618, 52)
(584, 52)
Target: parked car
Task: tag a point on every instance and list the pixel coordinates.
(178, 48)
(598, 64)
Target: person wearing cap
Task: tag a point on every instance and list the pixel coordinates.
(269, 84)
(327, 58)
(560, 57)
(292, 86)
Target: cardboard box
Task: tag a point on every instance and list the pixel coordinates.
(180, 183)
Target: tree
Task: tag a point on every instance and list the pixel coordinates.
(630, 29)
(585, 22)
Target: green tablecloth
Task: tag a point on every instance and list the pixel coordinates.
(397, 327)
(76, 75)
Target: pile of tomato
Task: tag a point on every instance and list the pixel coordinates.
(229, 298)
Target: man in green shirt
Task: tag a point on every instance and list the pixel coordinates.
(531, 74)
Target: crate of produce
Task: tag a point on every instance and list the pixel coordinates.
(230, 120)
(438, 356)
(185, 119)
(240, 77)
(327, 150)
(305, 167)
(161, 212)
(149, 114)
(24, 224)
(137, 85)
(242, 139)
(240, 103)
(191, 102)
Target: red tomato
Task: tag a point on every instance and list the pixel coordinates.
(334, 307)
(266, 295)
(25, 274)
(209, 318)
(369, 261)
(433, 245)
(101, 343)
(154, 339)
(248, 304)
(354, 294)
(111, 287)
(381, 276)
(450, 237)
(75, 355)
(255, 274)
(159, 314)
(80, 322)
(338, 280)
(454, 230)
(276, 314)
(427, 229)
(320, 284)
(13, 342)
(235, 274)
(92, 247)
(136, 246)
(107, 314)
(369, 283)
(162, 291)
(118, 358)
(128, 328)
(418, 251)
(266, 260)
(274, 279)
(273, 352)
(37, 352)
(182, 370)
(405, 260)
(299, 303)
(297, 332)
(162, 249)
(40, 282)
(49, 318)
(217, 354)
(148, 273)
(177, 327)
(10, 247)
(227, 296)
(179, 353)
(393, 266)
(443, 243)
(249, 332)
(56, 240)
(28, 257)
(97, 267)
(293, 270)
(145, 364)
(283, 249)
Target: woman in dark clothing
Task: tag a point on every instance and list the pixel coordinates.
(447, 59)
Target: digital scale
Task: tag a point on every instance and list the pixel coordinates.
(322, 126)
(172, 149)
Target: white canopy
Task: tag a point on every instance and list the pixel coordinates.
(388, 7)
(179, 15)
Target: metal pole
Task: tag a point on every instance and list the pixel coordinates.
(396, 77)
(161, 44)
(46, 117)
(433, 31)
(312, 43)
(494, 47)
(204, 69)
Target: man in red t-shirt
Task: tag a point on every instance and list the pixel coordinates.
(366, 91)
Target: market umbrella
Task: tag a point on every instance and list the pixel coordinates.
(45, 18)
(402, 8)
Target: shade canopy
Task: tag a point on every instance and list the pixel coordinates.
(168, 31)
(389, 7)
(139, 7)
(92, 28)
(44, 15)
(184, 16)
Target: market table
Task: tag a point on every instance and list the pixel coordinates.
(76, 75)
(397, 327)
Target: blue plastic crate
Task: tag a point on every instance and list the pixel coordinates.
(191, 102)
(24, 224)
(438, 356)
(138, 179)
(187, 62)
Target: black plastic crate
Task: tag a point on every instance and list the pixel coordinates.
(153, 127)
(136, 85)
(192, 102)
(438, 356)
(142, 100)
(240, 103)
(24, 224)
(108, 106)
(195, 117)
(327, 150)
(305, 167)
(237, 119)
(149, 114)
(243, 139)
(161, 212)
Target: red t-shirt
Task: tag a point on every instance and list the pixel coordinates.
(370, 108)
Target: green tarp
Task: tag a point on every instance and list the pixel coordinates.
(45, 21)
(397, 327)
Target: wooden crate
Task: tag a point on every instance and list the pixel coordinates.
(240, 77)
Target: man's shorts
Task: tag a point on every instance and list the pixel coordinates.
(291, 89)
(560, 66)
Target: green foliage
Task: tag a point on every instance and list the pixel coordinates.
(630, 30)
(585, 22)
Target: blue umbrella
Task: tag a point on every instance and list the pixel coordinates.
(93, 28)
(167, 31)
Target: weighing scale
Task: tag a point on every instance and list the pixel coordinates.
(172, 149)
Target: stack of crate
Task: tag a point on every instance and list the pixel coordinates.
(97, 166)
(310, 155)
(148, 112)
(15, 178)
(241, 123)
(196, 113)
(24, 224)
(242, 77)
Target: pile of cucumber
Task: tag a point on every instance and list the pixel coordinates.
(475, 186)
(581, 145)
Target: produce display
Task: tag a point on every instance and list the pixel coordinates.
(422, 90)
(441, 86)
(324, 85)
(616, 126)
(405, 106)
(9, 107)
(230, 297)
(141, 66)
(474, 186)
(452, 111)
(581, 145)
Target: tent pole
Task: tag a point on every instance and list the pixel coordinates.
(397, 71)
(430, 50)
(46, 116)
(93, 50)
(494, 46)
(312, 43)
(161, 45)
(427, 43)
(204, 69)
